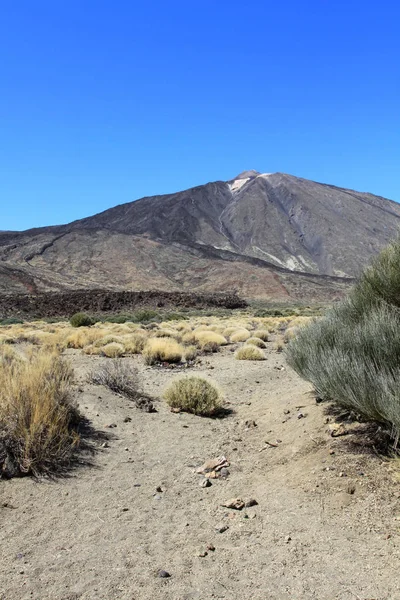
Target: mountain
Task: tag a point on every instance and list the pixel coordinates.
(267, 235)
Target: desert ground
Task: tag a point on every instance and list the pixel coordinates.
(324, 524)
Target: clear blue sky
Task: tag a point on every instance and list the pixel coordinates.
(104, 102)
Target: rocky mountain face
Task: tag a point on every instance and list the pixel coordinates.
(267, 235)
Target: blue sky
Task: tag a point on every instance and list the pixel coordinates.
(104, 102)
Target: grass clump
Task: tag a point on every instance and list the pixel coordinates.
(352, 355)
(263, 334)
(240, 335)
(249, 352)
(113, 350)
(209, 340)
(190, 353)
(194, 395)
(38, 420)
(81, 319)
(162, 350)
(256, 341)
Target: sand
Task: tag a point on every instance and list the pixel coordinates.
(104, 532)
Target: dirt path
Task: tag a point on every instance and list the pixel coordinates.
(105, 532)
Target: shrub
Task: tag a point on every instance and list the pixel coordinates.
(134, 344)
(144, 316)
(160, 333)
(11, 321)
(249, 352)
(162, 350)
(256, 341)
(190, 353)
(83, 337)
(352, 355)
(118, 376)
(209, 340)
(81, 320)
(263, 334)
(240, 335)
(194, 395)
(279, 344)
(112, 350)
(92, 350)
(189, 338)
(38, 421)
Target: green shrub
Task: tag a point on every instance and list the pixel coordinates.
(11, 321)
(194, 395)
(144, 316)
(81, 320)
(352, 355)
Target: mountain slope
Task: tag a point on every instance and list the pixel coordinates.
(264, 235)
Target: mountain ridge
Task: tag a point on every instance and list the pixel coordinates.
(286, 230)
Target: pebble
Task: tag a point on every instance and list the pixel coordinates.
(105, 445)
(205, 483)
(288, 539)
(221, 528)
(224, 472)
(250, 502)
(202, 553)
(300, 415)
(211, 547)
(159, 488)
(163, 573)
(127, 420)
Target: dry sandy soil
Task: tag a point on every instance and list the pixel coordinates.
(104, 532)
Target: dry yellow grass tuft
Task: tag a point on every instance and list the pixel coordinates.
(162, 350)
(83, 336)
(190, 353)
(194, 395)
(249, 352)
(160, 333)
(188, 338)
(256, 341)
(113, 350)
(240, 335)
(209, 340)
(92, 350)
(263, 334)
(134, 344)
(37, 418)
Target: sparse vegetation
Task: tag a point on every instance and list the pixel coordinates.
(194, 395)
(249, 352)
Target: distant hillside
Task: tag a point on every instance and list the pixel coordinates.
(262, 235)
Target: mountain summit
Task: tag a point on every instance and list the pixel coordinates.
(261, 234)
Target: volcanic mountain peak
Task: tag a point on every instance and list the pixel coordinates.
(261, 234)
(247, 175)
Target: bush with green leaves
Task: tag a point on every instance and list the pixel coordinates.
(81, 319)
(352, 355)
